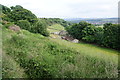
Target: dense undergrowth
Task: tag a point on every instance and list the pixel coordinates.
(35, 56)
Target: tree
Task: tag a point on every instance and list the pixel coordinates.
(111, 35)
(40, 27)
(88, 34)
(76, 29)
(5, 9)
(19, 13)
(16, 7)
(99, 35)
(24, 24)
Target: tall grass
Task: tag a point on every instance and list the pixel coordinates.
(11, 69)
(42, 57)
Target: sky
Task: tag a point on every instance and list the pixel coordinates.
(68, 8)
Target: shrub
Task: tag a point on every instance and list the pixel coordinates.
(111, 35)
(24, 24)
(19, 13)
(99, 36)
(89, 33)
(76, 29)
(40, 27)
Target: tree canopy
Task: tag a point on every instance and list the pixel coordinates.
(18, 13)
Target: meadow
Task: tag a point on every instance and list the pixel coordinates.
(55, 28)
(35, 56)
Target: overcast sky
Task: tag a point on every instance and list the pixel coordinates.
(68, 8)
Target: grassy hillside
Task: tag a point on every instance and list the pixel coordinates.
(35, 56)
(55, 28)
(91, 50)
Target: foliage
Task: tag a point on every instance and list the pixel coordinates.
(99, 36)
(40, 57)
(5, 12)
(5, 9)
(24, 24)
(11, 69)
(88, 33)
(17, 13)
(76, 29)
(40, 27)
(51, 21)
(8, 24)
(105, 36)
(111, 33)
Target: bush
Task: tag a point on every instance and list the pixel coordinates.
(40, 27)
(19, 13)
(24, 24)
(106, 36)
(89, 33)
(14, 14)
(99, 36)
(111, 35)
(76, 29)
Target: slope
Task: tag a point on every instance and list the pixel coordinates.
(42, 57)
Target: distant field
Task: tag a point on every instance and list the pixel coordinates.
(55, 28)
(100, 26)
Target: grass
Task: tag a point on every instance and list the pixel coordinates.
(91, 50)
(11, 69)
(39, 57)
(100, 26)
(52, 30)
(55, 28)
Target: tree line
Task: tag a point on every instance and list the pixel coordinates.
(107, 36)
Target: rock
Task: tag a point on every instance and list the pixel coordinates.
(56, 33)
(15, 28)
(75, 41)
(62, 33)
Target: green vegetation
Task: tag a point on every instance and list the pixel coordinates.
(30, 53)
(51, 58)
(104, 36)
(11, 69)
(24, 24)
(14, 14)
(111, 33)
(76, 29)
(51, 21)
(24, 18)
(40, 27)
(55, 28)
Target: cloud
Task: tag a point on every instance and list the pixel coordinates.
(68, 8)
